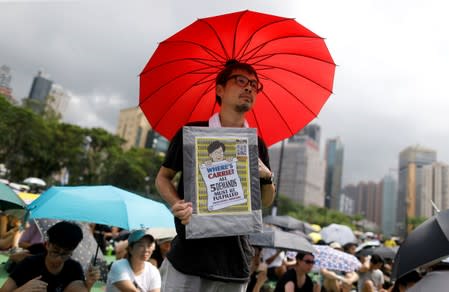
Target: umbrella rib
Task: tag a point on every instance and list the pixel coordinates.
(178, 98)
(235, 32)
(196, 71)
(217, 36)
(295, 73)
(279, 113)
(248, 41)
(261, 46)
(198, 60)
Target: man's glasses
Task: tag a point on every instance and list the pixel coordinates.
(243, 81)
(309, 262)
(62, 255)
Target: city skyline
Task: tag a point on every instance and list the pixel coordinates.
(389, 88)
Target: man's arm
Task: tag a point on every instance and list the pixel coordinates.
(267, 190)
(77, 286)
(32, 285)
(165, 186)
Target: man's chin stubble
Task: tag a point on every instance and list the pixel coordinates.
(242, 108)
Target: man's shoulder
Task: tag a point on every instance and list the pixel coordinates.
(197, 124)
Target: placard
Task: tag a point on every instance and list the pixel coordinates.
(221, 180)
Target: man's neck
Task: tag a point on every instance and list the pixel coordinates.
(232, 119)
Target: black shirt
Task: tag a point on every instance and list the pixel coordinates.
(34, 266)
(290, 275)
(217, 258)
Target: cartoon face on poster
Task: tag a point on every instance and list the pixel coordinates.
(222, 176)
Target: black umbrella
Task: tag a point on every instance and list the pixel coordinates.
(278, 239)
(426, 245)
(286, 222)
(383, 251)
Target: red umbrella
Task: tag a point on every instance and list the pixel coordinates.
(178, 83)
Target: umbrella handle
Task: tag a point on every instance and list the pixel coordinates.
(96, 254)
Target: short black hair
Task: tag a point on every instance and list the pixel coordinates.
(348, 245)
(377, 259)
(66, 235)
(230, 66)
(301, 255)
(214, 146)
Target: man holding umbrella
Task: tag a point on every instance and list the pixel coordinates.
(54, 270)
(212, 263)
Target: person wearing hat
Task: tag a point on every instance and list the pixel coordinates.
(135, 273)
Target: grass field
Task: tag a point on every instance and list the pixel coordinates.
(99, 286)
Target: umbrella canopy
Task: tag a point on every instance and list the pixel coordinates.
(329, 258)
(35, 181)
(424, 246)
(274, 238)
(9, 199)
(294, 65)
(339, 233)
(433, 281)
(286, 222)
(28, 197)
(383, 251)
(101, 204)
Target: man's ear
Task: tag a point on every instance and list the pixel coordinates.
(219, 90)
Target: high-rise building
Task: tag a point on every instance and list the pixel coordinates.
(368, 201)
(134, 128)
(389, 199)
(5, 81)
(435, 188)
(58, 99)
(302, 175)
(411, 197)
(312, 131)
(41, 87)
(334, 172)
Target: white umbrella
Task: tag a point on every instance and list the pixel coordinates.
(339, 233)
(35, 181)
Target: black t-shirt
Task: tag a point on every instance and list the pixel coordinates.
(290, 275)
(34, 266)
(218, 258)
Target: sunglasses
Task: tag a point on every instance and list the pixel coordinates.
(309, 262)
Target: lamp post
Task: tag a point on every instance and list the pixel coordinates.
(274, 209)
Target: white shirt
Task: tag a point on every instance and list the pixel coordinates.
(148, 280)
(268, 253)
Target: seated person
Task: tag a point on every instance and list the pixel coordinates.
(275, 260)
(31, 235)
(9, 232)
(163, 246)
(296, 279)
(135, 273)
(53, 270)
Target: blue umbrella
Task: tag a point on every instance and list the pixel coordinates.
(107, 205)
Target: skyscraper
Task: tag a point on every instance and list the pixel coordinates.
(57, 99)
(312, 131)
(134, 128)
(302, 173)
(389, 200)
(334, 172)
(411, 196)
(40, 88)
(5, 80)
(435, 188)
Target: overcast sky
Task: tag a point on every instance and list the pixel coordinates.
(390, 88)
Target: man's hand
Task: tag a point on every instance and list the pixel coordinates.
(92, 275)
(35, 285)
(183, 211)
(264, 172)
